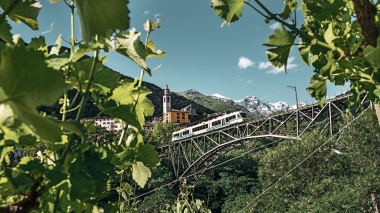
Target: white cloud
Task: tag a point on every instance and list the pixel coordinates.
(249, 81)
(240, 79)
(244, 63)
(275, 25)
(275, 70)
(146, 12)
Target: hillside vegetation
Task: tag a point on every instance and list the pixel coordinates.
(340, 177)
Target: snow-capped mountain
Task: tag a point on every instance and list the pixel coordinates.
(261, 107)
(250, 104)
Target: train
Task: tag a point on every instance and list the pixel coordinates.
(210, 125)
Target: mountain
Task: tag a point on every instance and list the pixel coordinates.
(210, 102)
(252, 105)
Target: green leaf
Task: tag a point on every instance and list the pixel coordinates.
(74, 126)
(99, 17)
(147, 154)
(125, 113)
(140, 173)
(25, 11)
(229, 10)
(288, 9)
(38, 44)
(129, 44)
(58, 61)
(86, 48)
(151, 51)
(372, 54)
(283, 41)
(127, 94)
(104, 78)
(24, 94)
(5, 33)
(329, 35)
(304, 52)
(317, 88)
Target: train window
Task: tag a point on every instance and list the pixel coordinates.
(216, 123)
(186, 132)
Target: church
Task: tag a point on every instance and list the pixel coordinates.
(173, 115)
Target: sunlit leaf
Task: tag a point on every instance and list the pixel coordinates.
(140, 173)
(104, 79)
(129, 44)
(127, 94)
(24, 94)
(99, 17)
(84, 49)
(229, 10)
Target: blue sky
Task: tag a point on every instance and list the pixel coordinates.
(200, 54)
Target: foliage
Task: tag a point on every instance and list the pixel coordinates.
(340, 177)
(63, 174)
(185, 201)
(339, 38)
(162, 133)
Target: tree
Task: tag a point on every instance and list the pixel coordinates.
(66, 175)
(339, 38)
(162, 132)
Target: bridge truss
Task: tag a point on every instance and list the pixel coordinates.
(192, 156)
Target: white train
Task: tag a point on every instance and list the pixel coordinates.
(216, 123)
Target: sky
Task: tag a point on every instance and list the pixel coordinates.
(200, 54)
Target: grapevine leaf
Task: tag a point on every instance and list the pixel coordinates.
(329, 68)
(147, 154)
(127, 94)
(56, 47)
(140, 173)
(81, 186)
(372, 54)
(229, 10)
(25, 11)
(329, 35)
(58, 61)
(151, 51)
(129, 45)
(317, 88)
(289, 7)
(99, 17)
(304, 52)
(38, 44)
(124, 112)
(283, 41)
(55, 176)
(24, 95)
(86, 48)
(123, 159)
(5, 33)
(74, 126)
(104, 78)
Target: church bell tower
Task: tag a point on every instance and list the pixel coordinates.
(167, 106)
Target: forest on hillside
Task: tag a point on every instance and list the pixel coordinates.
(341, 176)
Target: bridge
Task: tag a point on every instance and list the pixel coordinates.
(192, 156)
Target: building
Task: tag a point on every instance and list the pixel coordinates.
(172, 115)
(110, 123)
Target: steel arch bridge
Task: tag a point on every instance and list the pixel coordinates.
(193, 155)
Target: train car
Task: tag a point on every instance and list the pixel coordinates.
(210, 125)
